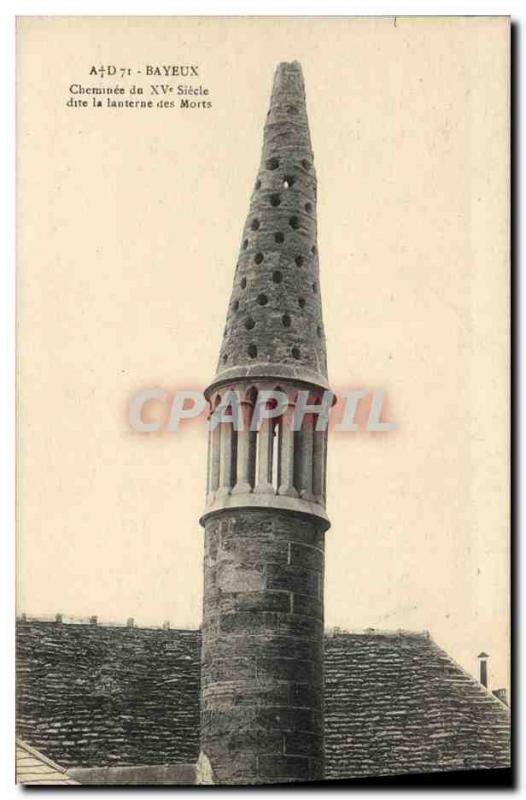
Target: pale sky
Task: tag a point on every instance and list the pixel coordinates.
(129, 228)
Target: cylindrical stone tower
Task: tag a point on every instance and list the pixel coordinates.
(265, 519)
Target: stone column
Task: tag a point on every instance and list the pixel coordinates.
(287, 452)
(215, 460)
(208, 459)
(264, 457)
(318, 465)
(244, 440)
(225, 469)
(306, 454)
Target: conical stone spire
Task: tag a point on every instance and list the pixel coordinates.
(274, 323)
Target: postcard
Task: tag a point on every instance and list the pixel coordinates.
(263, 422)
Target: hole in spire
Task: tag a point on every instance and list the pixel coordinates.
(254, 224)
(243, 283)
(275, 200)
(249, 323)
(288, 181)
(279, 237)
(294, 223)
(235, 305)
(306, 164)
(252, 351)
(299, 261)
(301, 302)
(258, 258)
(295, 352)
(258, 184)
(277, 276)
(272, 163)
(245, 244)
(262, 299)
(308, 207)
(285, 321)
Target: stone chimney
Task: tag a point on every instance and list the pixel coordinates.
(265, 518)
(483, 660)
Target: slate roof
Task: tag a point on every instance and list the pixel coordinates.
(396, 703)
(90, 695)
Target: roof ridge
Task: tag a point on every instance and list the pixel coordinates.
(329, 631)
(337, 631)
(66, 619)
(483, 690)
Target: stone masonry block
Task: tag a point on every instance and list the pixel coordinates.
(302, 626)
(217, 724)
(302, 743)
(287, 719)
(280, 766)
(239, 769)
(233, 577)
(306, 556)
(287, 669)
(307, 695)
(249, 621)
(254, 551)
(293, 579)
(227, 669)
(307, 605)
(255, 601)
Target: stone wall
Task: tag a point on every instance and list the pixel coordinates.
(162, 775)
(262, 659)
